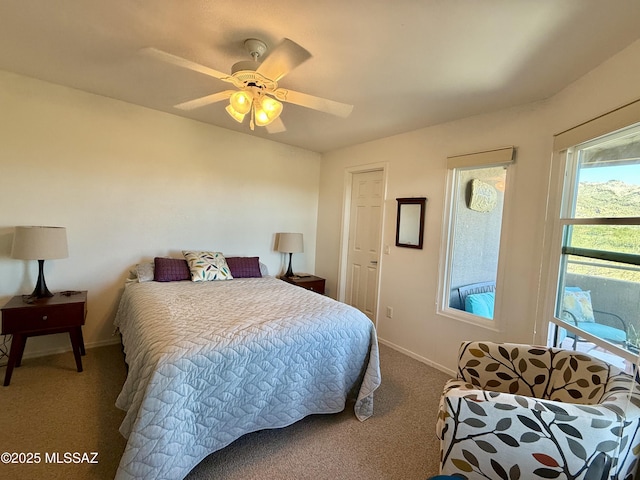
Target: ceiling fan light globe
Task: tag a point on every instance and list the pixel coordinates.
(237, 116)
(262, 118)
(272, 107)
(267, 109)
(241, 102)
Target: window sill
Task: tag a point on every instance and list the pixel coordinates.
(470, 319)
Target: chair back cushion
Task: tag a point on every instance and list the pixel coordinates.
(534, 371)
(578, 304)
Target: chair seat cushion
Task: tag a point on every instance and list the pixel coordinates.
(605, 332)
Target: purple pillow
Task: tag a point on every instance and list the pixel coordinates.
(244, 267)
(170, 269)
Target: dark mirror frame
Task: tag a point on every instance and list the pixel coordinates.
(421, 201)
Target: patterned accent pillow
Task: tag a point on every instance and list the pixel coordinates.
(206, 266)
(170, 269)
(244, 267)
(578, 304)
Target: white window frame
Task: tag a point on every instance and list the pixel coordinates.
(501, 157)
(564, 143)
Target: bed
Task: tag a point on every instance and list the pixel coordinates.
(211, 361)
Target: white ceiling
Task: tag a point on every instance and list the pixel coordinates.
(403, 64)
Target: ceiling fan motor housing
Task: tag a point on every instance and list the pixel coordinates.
(248, 65)
(245, 77)
(245, 71)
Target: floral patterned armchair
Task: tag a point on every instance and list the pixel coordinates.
(526, 412)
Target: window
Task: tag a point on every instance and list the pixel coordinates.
(471, 238)
(597, 241)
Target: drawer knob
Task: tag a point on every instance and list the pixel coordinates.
(44, 317)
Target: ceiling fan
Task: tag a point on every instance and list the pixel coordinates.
(257, 93)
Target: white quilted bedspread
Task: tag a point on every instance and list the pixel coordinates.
(212, 361)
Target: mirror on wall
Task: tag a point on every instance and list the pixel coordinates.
(410, 224)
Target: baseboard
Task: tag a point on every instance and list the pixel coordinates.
(116, 339)
(54, 351)
(415, 356)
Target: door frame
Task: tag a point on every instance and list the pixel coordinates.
(344, 228)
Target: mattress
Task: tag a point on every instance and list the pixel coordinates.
(212, 361)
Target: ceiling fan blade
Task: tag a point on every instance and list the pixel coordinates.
(322, 104)
(184, 63)
(277, 126)
(202, 101)
(282, 59)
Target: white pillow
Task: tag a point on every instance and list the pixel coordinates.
(264, 270)
(144, 272)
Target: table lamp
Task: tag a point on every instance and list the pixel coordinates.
(40, 243)
(289, 243)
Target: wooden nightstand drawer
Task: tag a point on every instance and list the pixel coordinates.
(42, 318)
(315, 286)
(310, 282)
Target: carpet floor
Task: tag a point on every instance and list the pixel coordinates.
(51, 410)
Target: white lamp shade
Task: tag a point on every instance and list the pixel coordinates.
(290, 242)
(40, 243)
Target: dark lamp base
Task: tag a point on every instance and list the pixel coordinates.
(41, 290)
(289, 271)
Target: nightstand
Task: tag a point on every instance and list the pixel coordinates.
(311, 282)
(64, 312)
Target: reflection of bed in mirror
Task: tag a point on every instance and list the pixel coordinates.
(477, 298)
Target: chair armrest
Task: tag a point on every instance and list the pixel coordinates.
(622, 395)
(572, 317)
(613, 316)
